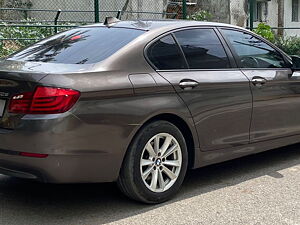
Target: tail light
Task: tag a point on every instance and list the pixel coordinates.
(33, 155)
(44, 100)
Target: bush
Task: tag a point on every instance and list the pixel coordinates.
(7, 48)
(291, 45)
(10, 46)
(201, 15)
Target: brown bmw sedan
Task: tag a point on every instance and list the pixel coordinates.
(140, 102)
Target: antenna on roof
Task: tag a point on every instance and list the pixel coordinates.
(109, 21)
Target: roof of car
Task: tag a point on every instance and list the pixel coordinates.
(147, 25)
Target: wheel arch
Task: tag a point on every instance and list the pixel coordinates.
(182, 125)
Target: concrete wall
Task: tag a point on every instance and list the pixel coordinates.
(238, 12)
(227, 11)
(64, 5)
(220, 9)
(105, 5)
(145, 6)
(14, 15)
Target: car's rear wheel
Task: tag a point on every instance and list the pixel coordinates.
(155, 164)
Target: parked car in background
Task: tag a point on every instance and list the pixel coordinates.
(140, 102)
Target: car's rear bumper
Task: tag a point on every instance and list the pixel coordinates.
(60, 168)
(78, 152)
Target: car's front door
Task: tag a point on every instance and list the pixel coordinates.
(218, 96)
(276, 91)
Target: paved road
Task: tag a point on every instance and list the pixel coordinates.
(261, 189)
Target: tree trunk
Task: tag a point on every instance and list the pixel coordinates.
(280, 17)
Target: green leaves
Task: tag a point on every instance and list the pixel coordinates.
(265, 31)
(8, 47)
(201, 15)
(291, 45)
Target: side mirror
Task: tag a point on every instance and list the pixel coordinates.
(296, 62)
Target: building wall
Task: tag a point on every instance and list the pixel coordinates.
(239, 13)
(271, 16)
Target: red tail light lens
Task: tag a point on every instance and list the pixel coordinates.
(45, 100)
(33, 155)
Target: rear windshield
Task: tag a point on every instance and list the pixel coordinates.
(79, 46)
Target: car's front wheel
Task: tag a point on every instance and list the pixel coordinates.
(155, 164)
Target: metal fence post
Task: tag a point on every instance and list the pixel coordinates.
(96, 9)
(251, 13)
(56, 20)
(119, 14)
(184, 9)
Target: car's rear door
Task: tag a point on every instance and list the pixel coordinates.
(276, 91)
(203, 73)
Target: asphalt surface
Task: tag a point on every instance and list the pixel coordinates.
(260, 189)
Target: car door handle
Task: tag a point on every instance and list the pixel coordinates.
(258, 81)
(188, 84)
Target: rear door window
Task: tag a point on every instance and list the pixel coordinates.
(202, 49)
(79, 46)
(166, 55)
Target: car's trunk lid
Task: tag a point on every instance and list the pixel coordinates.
(17, 77)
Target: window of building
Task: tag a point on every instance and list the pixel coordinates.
(260, 11)
(295, 10)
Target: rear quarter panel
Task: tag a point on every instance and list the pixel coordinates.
(111, 110)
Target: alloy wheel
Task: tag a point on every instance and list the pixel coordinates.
(161, 162)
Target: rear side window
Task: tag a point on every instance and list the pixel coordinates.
(79, 46)
(202, 49)
(165, 54)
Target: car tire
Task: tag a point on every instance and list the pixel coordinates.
(155, 163)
